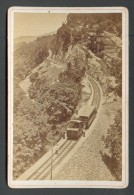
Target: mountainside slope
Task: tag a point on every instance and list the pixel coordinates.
(48, 79)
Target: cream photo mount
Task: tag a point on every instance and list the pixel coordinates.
(14, 31)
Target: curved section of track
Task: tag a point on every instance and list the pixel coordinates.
(97, 94)
(43, 172)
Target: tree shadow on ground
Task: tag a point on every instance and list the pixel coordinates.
(111, 165)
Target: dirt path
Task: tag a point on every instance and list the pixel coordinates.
(87, 163)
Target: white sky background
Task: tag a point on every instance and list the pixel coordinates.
(36, 24)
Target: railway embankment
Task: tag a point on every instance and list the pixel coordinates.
(87, 163)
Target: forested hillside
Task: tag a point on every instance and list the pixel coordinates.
(47, 82)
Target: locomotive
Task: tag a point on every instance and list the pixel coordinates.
(76, 126)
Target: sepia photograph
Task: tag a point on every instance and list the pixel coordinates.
(67, 97)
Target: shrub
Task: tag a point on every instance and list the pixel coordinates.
(113, 142)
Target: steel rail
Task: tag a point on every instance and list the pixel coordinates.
(56, 157)
(61, 158)
(96, 98)
(45, 162)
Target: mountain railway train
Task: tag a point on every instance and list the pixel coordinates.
(75, 129)
(76, 126)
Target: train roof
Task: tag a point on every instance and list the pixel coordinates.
(86, 111)
(75, 120)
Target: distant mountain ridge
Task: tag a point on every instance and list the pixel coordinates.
(28, 39)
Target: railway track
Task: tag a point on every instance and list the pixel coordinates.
(96, 98)
(43, 172)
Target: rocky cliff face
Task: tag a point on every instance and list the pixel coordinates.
(90, 41)
(87, 40)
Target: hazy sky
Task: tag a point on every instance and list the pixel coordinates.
(35, 24)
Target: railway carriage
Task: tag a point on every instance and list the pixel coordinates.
(87, 114)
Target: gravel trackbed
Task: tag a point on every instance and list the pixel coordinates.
(87, 164)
